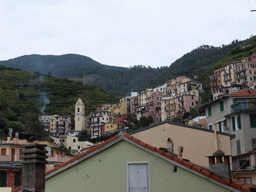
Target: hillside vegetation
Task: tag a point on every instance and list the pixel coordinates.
(120, 79)
(21, 100)
(243, 49)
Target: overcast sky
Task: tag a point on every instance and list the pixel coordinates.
(122, 32)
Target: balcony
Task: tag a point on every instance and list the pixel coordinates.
(244, 82)
(227, 79)
(15, 157)
(241, 76)
(240, 70)
(245, 106)
(227, 73)
(58, 158)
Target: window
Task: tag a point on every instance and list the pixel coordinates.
(253, 120)
(238, 147)
(247, 180)
(244, 164)
(220, 126)
(17, 179)
(3, 151)
(138, 179)
(192, 97)
(239, 126)
(74, 140)
(3, 178)
(209, 111)
(221, 106)
(78, 147)
(210, 127)
(192, 103)
(233, 123)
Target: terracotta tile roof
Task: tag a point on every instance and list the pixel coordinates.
(244, 187)
(243, 93)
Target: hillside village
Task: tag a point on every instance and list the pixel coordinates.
(159, 128)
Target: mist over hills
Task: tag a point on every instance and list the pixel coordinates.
(121, 79)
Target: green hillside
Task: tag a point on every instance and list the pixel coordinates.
(21, 100)
(200, 61)
(120, 79)
(244, 49)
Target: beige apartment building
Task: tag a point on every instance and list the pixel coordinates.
(197, 142)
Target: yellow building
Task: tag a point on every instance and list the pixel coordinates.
(197, 143)
(110, 127)
(72, 143)
(79, 116)
(117, 109)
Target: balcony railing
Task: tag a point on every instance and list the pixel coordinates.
(240, 70)
(10, 158)
(228, 79)
(58, 158)
(244, 106)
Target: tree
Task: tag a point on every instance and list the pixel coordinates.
(84, 136)
(34, 127)
(193, 113)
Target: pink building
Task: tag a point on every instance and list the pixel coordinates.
(62, 125)
(103, 107)
(252, 58)
(98, 121)
(120, 120)
(134, 104)
(10, 160)
(169, 88)
(153, 105)
(184, 103)
(157, 116)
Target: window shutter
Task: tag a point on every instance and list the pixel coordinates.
(239, 122)
(138, 177)
(233, 123)
(220, 129)
(221, 106)
(210, 127)
(17, 179)
(209, 111)
(253, 120)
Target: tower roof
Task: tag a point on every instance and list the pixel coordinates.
(79, 102)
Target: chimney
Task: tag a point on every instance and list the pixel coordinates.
(33, 167)
(170, 145)
(219, 163)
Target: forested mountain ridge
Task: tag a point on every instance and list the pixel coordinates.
(201, 60)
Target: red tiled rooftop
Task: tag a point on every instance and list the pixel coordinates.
(243, 93)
